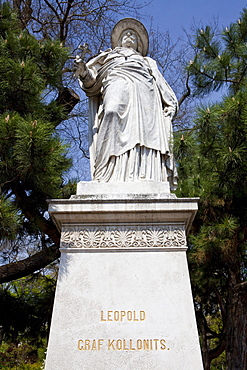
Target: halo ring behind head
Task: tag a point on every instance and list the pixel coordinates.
(136, 26)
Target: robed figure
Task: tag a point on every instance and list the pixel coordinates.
(131, 107)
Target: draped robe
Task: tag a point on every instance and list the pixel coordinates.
(130, 136)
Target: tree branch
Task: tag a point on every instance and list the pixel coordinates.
(187, 93)
(16, 270)
(216, 352)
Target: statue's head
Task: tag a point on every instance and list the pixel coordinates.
(129, 39)
(129, 32)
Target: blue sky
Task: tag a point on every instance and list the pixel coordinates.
(174, 15)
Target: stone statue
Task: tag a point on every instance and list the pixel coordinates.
(131, 107)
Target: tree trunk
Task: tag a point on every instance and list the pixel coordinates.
(202, 326)
(236, 331)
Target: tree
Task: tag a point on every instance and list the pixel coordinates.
(25, 315)
(213, 165)
(32, 157)
(26, 309)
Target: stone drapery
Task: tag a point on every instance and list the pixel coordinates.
(131, 107)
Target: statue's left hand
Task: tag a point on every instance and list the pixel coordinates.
(168, 112)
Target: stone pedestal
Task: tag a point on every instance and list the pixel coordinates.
(123, 298)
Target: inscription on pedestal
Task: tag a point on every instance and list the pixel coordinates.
(122, 344)
(122, 316)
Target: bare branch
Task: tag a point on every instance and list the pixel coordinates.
(187, 93)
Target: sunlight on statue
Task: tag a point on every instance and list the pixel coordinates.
(131, 107)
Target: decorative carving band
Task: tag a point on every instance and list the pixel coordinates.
(123, 236)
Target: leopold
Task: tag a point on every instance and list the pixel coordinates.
(122, 315)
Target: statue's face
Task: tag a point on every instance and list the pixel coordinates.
(129, 39)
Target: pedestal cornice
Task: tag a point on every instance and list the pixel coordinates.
(114, 209)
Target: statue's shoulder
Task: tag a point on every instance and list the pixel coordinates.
(100, 58)
(151, 62)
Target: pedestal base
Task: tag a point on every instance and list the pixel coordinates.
(123, 298)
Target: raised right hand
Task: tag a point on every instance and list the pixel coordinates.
(80, 67)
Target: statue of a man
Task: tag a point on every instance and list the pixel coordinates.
(131, 107)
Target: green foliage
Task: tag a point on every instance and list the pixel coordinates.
(25, 314)
(9, 219)
(27, 67)
(21, 357)
(33, 158)
(213, 165)
(25, 309)
(31, 152)
(212, 159)
(218, 152)
(220, 59)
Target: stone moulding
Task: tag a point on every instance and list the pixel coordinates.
(125, 209)
(123, 237)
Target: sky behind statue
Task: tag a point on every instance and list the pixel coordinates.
(176, 15)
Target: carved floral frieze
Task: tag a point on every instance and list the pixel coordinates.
(123, 236)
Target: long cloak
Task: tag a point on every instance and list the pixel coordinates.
(127, 121)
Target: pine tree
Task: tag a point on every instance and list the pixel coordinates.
(213, 165)
(33, 158)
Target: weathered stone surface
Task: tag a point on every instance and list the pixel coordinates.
(123, 298)
(102, 298)
(124, 188)
(101, 204)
